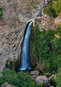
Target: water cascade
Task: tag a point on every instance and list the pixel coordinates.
(25, 59)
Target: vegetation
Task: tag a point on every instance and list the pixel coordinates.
(19, 79)
(58, 79)
(1, 12)
(46, 48)
(53, 8)
(45, 51)
(48, 45)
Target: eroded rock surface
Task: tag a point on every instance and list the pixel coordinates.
(6, 85)
(16, 13)
(34, 73)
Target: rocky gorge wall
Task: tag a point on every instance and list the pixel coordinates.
(16, 13)
(11, 31)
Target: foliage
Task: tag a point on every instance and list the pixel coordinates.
(25, 80)
(59, 28)
(1, 12)
(48, 49)
(53, 8)
(40, 85)
(10, 76)
(20, 79)
(50, 10)
(58, 78)
(57, 42)
(57, 6)
(10, 64)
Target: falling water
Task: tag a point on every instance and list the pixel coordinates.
(25, 59)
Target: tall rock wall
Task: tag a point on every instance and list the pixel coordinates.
(16, 13)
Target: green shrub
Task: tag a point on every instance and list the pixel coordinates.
(25, 80)
(1, 81)
(59, 28)
(40, 85)
(48, 9)
(20, 79)
(10, 64)
(57, 42)
(1, 12)
(47, 48)
(57, 6)
(57, 62)
(58, 78)
(53, 8)
(10, 76)
(43, 41)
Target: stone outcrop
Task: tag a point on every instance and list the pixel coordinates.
(45, 2)
(34, 73)
(12, 28)
(44, 80)
(6, 85)
(16, 14)
(46, 22)
(57, 21)
(41, 79)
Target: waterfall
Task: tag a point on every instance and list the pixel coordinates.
(25, 59)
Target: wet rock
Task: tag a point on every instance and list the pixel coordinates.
(6, 85)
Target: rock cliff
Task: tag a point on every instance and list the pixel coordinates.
(16, 13)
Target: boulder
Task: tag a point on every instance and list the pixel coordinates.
(6, 85)
(41, 79)
(34, 73)
(44, 80)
